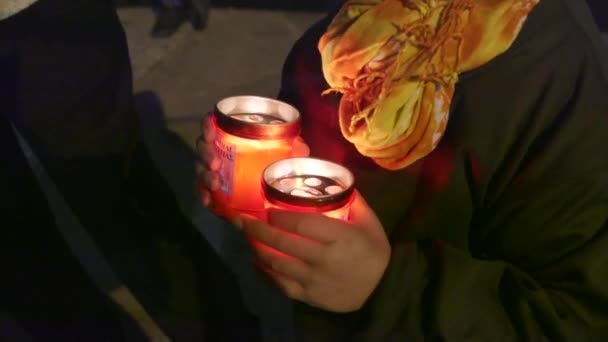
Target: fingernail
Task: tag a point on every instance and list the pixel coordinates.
(212, 181)
(214, 164)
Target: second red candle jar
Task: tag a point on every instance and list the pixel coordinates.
(309, 185)
(252, 132)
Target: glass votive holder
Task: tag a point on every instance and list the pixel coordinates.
(309, 185)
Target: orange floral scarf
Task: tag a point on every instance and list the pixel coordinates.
(396, 64)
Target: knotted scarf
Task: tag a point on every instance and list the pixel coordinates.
(396, 64)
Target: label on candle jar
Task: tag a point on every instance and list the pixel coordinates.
(226, 152)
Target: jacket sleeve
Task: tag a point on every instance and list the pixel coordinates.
(539, 273)
(543, 277)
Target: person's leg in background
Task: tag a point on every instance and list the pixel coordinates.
(171, 14)
(599, 8)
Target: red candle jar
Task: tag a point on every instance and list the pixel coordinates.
(309, 185)
(251, 133)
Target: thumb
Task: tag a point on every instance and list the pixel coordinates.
(361, 214)
(300, 148)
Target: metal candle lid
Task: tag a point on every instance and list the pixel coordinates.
(256, 117)
(308, 182)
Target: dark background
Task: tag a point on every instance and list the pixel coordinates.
(296, 5)
(598, 7)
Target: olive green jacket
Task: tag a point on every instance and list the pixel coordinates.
(500, 234)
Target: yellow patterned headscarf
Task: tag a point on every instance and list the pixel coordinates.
(396, 63)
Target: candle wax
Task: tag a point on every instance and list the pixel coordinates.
(307, 185)
(256, 118)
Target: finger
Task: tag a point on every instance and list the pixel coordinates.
(208, 128)
(205, 198)
(297, 246)
(289, 287)
(282, 263)
(361, 214)
(211, 166)
(206, 154)
(300, 148)
(203, 185)
(316, 227)
(209, 181)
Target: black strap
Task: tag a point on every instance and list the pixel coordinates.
(86, 251)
